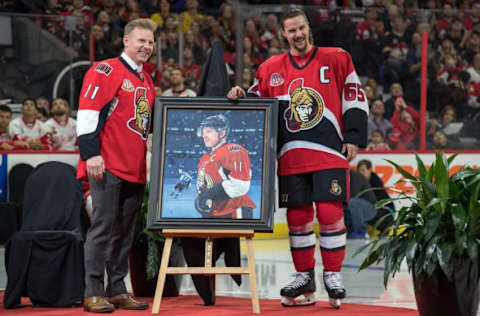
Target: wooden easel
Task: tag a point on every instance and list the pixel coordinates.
(209, 235)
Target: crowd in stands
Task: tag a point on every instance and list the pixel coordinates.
(386, 49)
(41, 126)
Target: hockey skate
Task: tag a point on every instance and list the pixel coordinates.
(299, 292)
(334, 285)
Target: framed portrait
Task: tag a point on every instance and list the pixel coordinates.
(213, 164)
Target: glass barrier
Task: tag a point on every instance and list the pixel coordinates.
(47, 56)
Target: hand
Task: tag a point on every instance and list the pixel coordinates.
(21, 143)
(203, 204)
(95, 167)
(351, 151)
(6, 146)
(35, 144)
(235, 93)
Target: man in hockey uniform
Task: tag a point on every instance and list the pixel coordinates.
(61, 126)
(224, 173)
(322, 122)
(113, 122)
(182, 184)
(27, 132)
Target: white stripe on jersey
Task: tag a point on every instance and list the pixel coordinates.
(87, 121)
(235, 187)
(298, 144)
(332, 242)
(347, 105)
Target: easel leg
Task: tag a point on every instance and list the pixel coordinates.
(162, 273)
(253, 276)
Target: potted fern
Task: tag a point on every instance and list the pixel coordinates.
(437, 235)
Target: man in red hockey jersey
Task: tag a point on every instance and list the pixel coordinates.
(224, 173)
(113, 122)
(322, 122)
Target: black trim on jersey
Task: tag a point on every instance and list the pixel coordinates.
(303, 248)
(323, 133)
(301, 233)
(307, 63)
(133, 71)
(89, 144)
(333, 249)
(344, 231)
(356, 127)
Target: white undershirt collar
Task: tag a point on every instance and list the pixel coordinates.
(131, 63)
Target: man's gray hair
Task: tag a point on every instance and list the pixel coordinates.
(140, 23)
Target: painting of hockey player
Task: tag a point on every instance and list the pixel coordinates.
(224, 173)
(213, 163)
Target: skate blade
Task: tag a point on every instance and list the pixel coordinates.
(306, 299)
(335, 302)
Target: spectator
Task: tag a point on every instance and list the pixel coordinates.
(441, 142)
(365, 168)
(178, 88)
(445, 21)
(377, 121)
(457, 35)
(359, 210)
(472, 48)
(396, 91)
(78, 8)
(474, 69)
(413, 67)
(247, 77)
(159, 17)
(27, 132)
(42, 114)
(191, 70)
(190, 15)
(377, 142)
(44, 103)
(62, 127)
(271, 30)
(227, 21)
(5, 118)
(406, 126)
(103, 48)
(369, 94)
(197, 51)
(447, 123)
(450, 71)
(105, 22)
(53, 22)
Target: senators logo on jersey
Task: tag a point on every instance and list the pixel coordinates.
(306, 107)
(141, 122)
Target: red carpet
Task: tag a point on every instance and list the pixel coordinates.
(225, 306)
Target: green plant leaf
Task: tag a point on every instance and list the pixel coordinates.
(459, 216)
(441, 178)
(444, 256)
(472, 249)
(153, 259)
(422, 171)
(402, 171)
(432, 221)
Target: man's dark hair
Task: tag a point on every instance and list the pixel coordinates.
(30, 99)
(292, 13)
(364, 162)
(5, 108)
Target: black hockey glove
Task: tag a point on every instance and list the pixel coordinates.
(205, 200)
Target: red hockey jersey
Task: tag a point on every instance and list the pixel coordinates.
(230, 165)
(113, 118)
(321, 106)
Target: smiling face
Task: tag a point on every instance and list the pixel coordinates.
(139, 45)
(297, 33)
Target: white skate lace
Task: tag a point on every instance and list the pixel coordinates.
(301, 278)
(334, 280)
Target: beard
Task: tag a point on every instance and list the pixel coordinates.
(59, 112)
